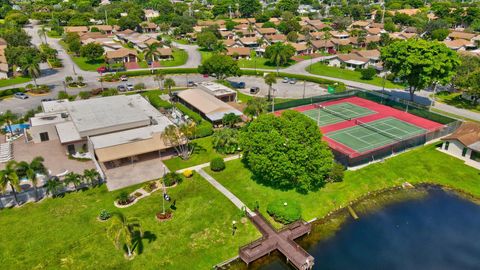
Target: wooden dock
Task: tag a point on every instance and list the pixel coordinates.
(278, 240)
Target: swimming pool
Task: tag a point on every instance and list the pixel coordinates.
(17, 127)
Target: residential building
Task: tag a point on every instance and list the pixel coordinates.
(464, 143)
(122, 55)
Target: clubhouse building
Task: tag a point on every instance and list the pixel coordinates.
(464, 143)
(117, 133)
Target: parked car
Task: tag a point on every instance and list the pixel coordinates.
(240, 85)
(205, 75)
(286, 80)
(124, 78)
(121, 88)
(20, 95)
(47, 99)
(101, 69)
(129, 87)
(254, 90)
(292, 81)
(191, 84)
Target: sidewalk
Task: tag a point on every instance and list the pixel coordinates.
(236, 201)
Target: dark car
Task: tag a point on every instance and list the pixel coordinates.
(47, 99)
(254, 90)
(191, 84)
(240, 85)
(121, 88)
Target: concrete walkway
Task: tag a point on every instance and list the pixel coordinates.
(236, 201)
(204, 165)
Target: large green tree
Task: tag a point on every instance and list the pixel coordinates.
(286, 151)
(472, 86)
(249, 7)
(221, 65)
(207, 40)
(92, 51)
(288, 5)
(420, 63)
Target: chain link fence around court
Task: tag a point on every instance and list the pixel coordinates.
(348, 158)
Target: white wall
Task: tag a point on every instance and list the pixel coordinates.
(456, 148)
(36, 130)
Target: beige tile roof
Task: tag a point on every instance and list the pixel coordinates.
(71, 29)
(242, 51)
(461, 35)
(165, 51)
(122, 52)
(468, 133)
(264, 31)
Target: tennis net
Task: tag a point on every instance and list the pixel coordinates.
(373, 128)
(333, 112)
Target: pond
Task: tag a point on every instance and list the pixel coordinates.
(439, 230)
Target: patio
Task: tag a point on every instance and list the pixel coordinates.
(127, 172)
(54, 154)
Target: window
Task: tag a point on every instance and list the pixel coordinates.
(475, 156)
(447, 143)
(44, 136)
(464, 151)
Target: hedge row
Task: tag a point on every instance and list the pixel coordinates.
(11, 91)
(204, 128)
(158, 71)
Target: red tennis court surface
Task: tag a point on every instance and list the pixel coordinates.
(379, 112)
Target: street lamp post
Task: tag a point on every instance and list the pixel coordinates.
(304, 86)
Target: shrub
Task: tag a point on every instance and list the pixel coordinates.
(62, 95)
(104, 215)
(148, 187)
(284, 211)
(225, 141)
(368, 73)
(139, 86)
(11, 91)
(336, 173)
(124, 198)
(188, 173)
(217, 164)
(84, 94)
(171, 179)
(204, 128)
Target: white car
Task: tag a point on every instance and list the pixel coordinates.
(129, 87)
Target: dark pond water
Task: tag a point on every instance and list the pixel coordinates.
(439, 231)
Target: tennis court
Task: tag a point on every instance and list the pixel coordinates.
(337, 113)
(368, 136)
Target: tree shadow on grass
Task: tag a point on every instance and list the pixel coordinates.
(198, 149)
(139, 240)
(262, 180)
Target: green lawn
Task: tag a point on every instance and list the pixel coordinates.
(205, 54)
(63, 233)
(424, 164)
(203, 153)
(86, 65)
(15, 80)
(346, 74)
(261, 63)
(180, 57)
(456, 100)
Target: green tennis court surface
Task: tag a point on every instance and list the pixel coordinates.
(337, 113)
(368, 136)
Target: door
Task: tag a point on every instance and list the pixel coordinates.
(71, 149)
(44, 137)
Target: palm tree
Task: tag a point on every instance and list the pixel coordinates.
(151, 52)
(30, 171)
(91, 176)
(123, 232)
(80, 80)
(32, 67)
(280, 53)
(9, 117)
(73, 178)
(9, 176)
(53, 186)
(42, 32)
(270, 79)
(159, 79)
(169, 83)
(220, 47)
